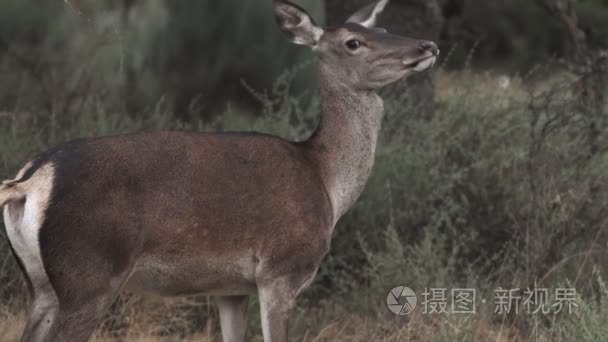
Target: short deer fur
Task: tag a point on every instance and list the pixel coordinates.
(227, 215)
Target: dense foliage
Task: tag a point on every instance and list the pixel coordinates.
(194, 54)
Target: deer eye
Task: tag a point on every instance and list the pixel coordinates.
(353, 44)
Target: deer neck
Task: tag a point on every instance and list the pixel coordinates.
(345, 140)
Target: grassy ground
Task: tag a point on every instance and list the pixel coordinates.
(503, 187)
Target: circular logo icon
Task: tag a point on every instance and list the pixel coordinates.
(401, 300)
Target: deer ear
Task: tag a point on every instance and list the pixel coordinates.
(297, 24)
(368, 15)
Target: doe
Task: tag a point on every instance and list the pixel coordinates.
(228, 215)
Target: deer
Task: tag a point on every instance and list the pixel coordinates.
(227, 215)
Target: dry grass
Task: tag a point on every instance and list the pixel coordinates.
(11, 325)
(352, 328)
(148, 337)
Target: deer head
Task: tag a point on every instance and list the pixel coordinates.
(357, 53)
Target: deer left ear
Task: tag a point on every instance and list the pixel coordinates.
(368, 15)
(297, 24)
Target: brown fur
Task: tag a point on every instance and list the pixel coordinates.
(230, 215)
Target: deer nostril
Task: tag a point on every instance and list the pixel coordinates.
(429, 46)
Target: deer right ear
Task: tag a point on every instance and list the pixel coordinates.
(368, 15)
(297, 24)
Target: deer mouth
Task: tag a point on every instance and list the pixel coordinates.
(420, 64)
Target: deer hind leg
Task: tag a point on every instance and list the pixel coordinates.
(67, 301)
(51, 319)
(78, 322)
(22, 233)
(43, 312)
(87, 281)
(84, 296)
(49, 323)
(233, 317)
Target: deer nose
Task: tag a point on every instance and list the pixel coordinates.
(429, 46)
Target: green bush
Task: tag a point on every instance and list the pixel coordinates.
(194, 54)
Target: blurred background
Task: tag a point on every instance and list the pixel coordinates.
(492, 170)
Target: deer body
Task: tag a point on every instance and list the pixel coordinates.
(228, 215)
(171, 209)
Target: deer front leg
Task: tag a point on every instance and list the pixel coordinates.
(277, 299)
(233, 317)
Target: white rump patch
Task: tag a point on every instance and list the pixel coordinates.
(23, 223)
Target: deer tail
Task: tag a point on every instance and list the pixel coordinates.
(10, 191)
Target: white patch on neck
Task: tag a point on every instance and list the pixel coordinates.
(355, 158)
